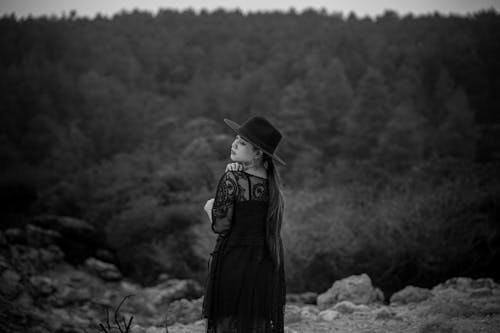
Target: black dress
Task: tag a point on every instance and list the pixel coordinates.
(243, 291)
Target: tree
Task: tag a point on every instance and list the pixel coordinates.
(330, 96)
(452, 130)
(401, 143)
(457, 132)
(367, 119)
(293, 112)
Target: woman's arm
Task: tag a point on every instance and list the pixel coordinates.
(220, 208)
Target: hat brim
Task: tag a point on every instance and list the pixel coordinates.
(236, 128)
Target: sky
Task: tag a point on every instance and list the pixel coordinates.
(89, 8)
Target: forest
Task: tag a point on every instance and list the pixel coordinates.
(390, 133)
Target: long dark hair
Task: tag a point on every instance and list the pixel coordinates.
(274, 213)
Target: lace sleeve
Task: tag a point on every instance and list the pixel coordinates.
(225, 196)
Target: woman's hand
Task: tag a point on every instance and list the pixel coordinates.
(208, 208)
(235, 167)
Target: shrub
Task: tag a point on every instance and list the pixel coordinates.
(432, 224)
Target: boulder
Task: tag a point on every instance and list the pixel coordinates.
(357, 289)
(65, 225)
(349, 307)
(290, 330)
(172, 290)
(78, 239)
(480, 293)
(38, 237)
(328, 315)
(4, 264)
(42, 285)
(303, 298)
(68, 295)
(184, 311)
(410, 294)
(384, 313)
(51, 255)
(465, 284)
(3, 240)
(309, 312)
(24, 300)
(15, 236)
(30, 260)
(105, 255)
(104, 270)
(292, 314)
(10, 283)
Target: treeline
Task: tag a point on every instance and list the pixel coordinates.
(119, 120)
(397, 90)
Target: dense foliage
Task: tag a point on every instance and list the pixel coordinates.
(119, 121)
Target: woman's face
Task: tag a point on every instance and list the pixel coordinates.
(242, 150)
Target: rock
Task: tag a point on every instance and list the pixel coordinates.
(289, 330)
(410, 294)
(309, 312)
(38, 237)
(15, 236)
(51, 255)
(356, 288)
(129, 287)
(30, 260)
(42, 285)
(67, 295)
(137, 329)
(155, 330)
(184, 311)
(349, 307)
(328, 315)
(4, 264)
(292, 314)
(78, 238)
(3, 240)
(163, 277)
(105, 255)
(201, 322)
(10, 283)
(465, 284)
(24, 300)
(65, 225)
(172, 290)
(303, 298)
(484, 283)
(437, 325)
(481, 292)
(105, 271)
(379, 295)
(383, 313)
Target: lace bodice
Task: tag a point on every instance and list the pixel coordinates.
(235, 187)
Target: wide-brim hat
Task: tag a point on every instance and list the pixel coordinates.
(259, 132)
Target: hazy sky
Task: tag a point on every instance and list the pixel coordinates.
(90, 8)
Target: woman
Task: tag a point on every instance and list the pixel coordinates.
(245, 288)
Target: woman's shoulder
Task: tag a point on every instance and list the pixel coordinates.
(237, 175)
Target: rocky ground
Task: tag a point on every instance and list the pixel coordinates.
(41, 292)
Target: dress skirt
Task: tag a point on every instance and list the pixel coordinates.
(243, 292)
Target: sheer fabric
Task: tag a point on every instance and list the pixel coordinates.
(243, 291)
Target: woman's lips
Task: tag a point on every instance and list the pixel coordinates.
(232, 152)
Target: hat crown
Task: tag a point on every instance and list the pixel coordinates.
(262, 132)
(259, 132)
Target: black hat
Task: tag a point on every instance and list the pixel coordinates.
(259, 132)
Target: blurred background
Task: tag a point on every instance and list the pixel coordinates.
(390, 115)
